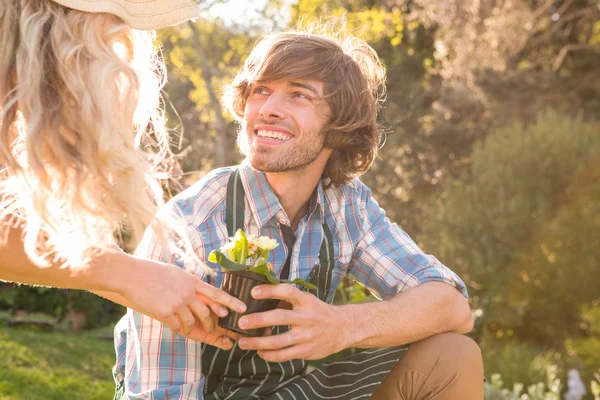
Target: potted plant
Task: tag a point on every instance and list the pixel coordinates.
(244, 265)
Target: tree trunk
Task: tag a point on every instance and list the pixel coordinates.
(225, 139)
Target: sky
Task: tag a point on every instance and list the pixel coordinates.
(241, 12)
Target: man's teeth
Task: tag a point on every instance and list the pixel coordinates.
(273, 135)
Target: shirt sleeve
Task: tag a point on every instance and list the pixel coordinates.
(158, 364)
(388, 260)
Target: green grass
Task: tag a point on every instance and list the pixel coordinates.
(54, 365)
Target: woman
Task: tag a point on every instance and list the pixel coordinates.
(83, 143)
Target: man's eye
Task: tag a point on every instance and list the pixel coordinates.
(260, 90)
(300, 95)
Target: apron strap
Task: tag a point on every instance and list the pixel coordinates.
(234, 212)
(234, 216)
(322, 274)
(289, 238)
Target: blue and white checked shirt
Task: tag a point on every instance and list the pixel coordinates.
(158, 365)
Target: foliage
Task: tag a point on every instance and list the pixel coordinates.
(520, 363)
(250, 254)
(521, 226)
(586, 349)
(595, 386)
(351, 291)
(54, 366)
(506, 61)
(201, 57)
(548, 390)
(58, 302)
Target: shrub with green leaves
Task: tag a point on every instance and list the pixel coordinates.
(57, 302)
(550, 389)
(522, 226)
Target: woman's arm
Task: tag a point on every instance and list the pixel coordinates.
(15, 266)
(161, 291)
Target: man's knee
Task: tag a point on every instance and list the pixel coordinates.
(452, 348)
(444, 366)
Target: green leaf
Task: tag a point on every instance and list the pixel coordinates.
(264, 270)
(217, 257)
(241, 247)
(301, 282)
(265, 253)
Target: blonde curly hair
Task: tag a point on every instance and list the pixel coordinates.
(83, 140)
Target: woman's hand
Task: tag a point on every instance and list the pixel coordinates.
(162, 291)
(222, 338)
(171, 295)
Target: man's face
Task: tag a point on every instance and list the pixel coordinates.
(282, 125)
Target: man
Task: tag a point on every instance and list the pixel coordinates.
(307, 106)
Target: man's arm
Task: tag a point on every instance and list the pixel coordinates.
(422, 297)
(320, 329)
(423, 311)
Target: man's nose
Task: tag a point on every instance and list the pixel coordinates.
(273, 107)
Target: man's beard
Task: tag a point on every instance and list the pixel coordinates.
(292, 159)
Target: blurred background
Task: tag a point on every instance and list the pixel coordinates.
(491, 162)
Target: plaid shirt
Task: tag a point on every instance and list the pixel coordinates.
(158, 365)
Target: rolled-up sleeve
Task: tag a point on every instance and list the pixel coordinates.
(388, 260)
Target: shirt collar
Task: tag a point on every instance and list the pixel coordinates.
(264, 202)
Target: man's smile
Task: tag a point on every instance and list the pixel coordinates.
(271, 134)
(266, 134)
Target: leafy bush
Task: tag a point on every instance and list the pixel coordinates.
(57, 302)
(596, 386)
(519, 363)
(586, 349)
(548, 390)
(522, 226)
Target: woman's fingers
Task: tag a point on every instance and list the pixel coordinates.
(219, 296)
(173, 324)
(218, 309)
(202, 312)
(222, 342)
(217, 339)
(187, 320)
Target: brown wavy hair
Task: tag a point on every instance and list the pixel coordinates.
(354, 83)
(83, 141)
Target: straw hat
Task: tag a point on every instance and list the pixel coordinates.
(140, 14)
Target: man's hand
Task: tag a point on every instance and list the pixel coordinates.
(317, 328)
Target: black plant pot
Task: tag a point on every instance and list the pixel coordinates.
(239, 284)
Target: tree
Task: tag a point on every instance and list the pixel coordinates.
(403, 171)
(201, 58)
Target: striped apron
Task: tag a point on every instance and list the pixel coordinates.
(238, 374)
(242, 374)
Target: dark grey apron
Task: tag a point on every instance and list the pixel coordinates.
(242, 374)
